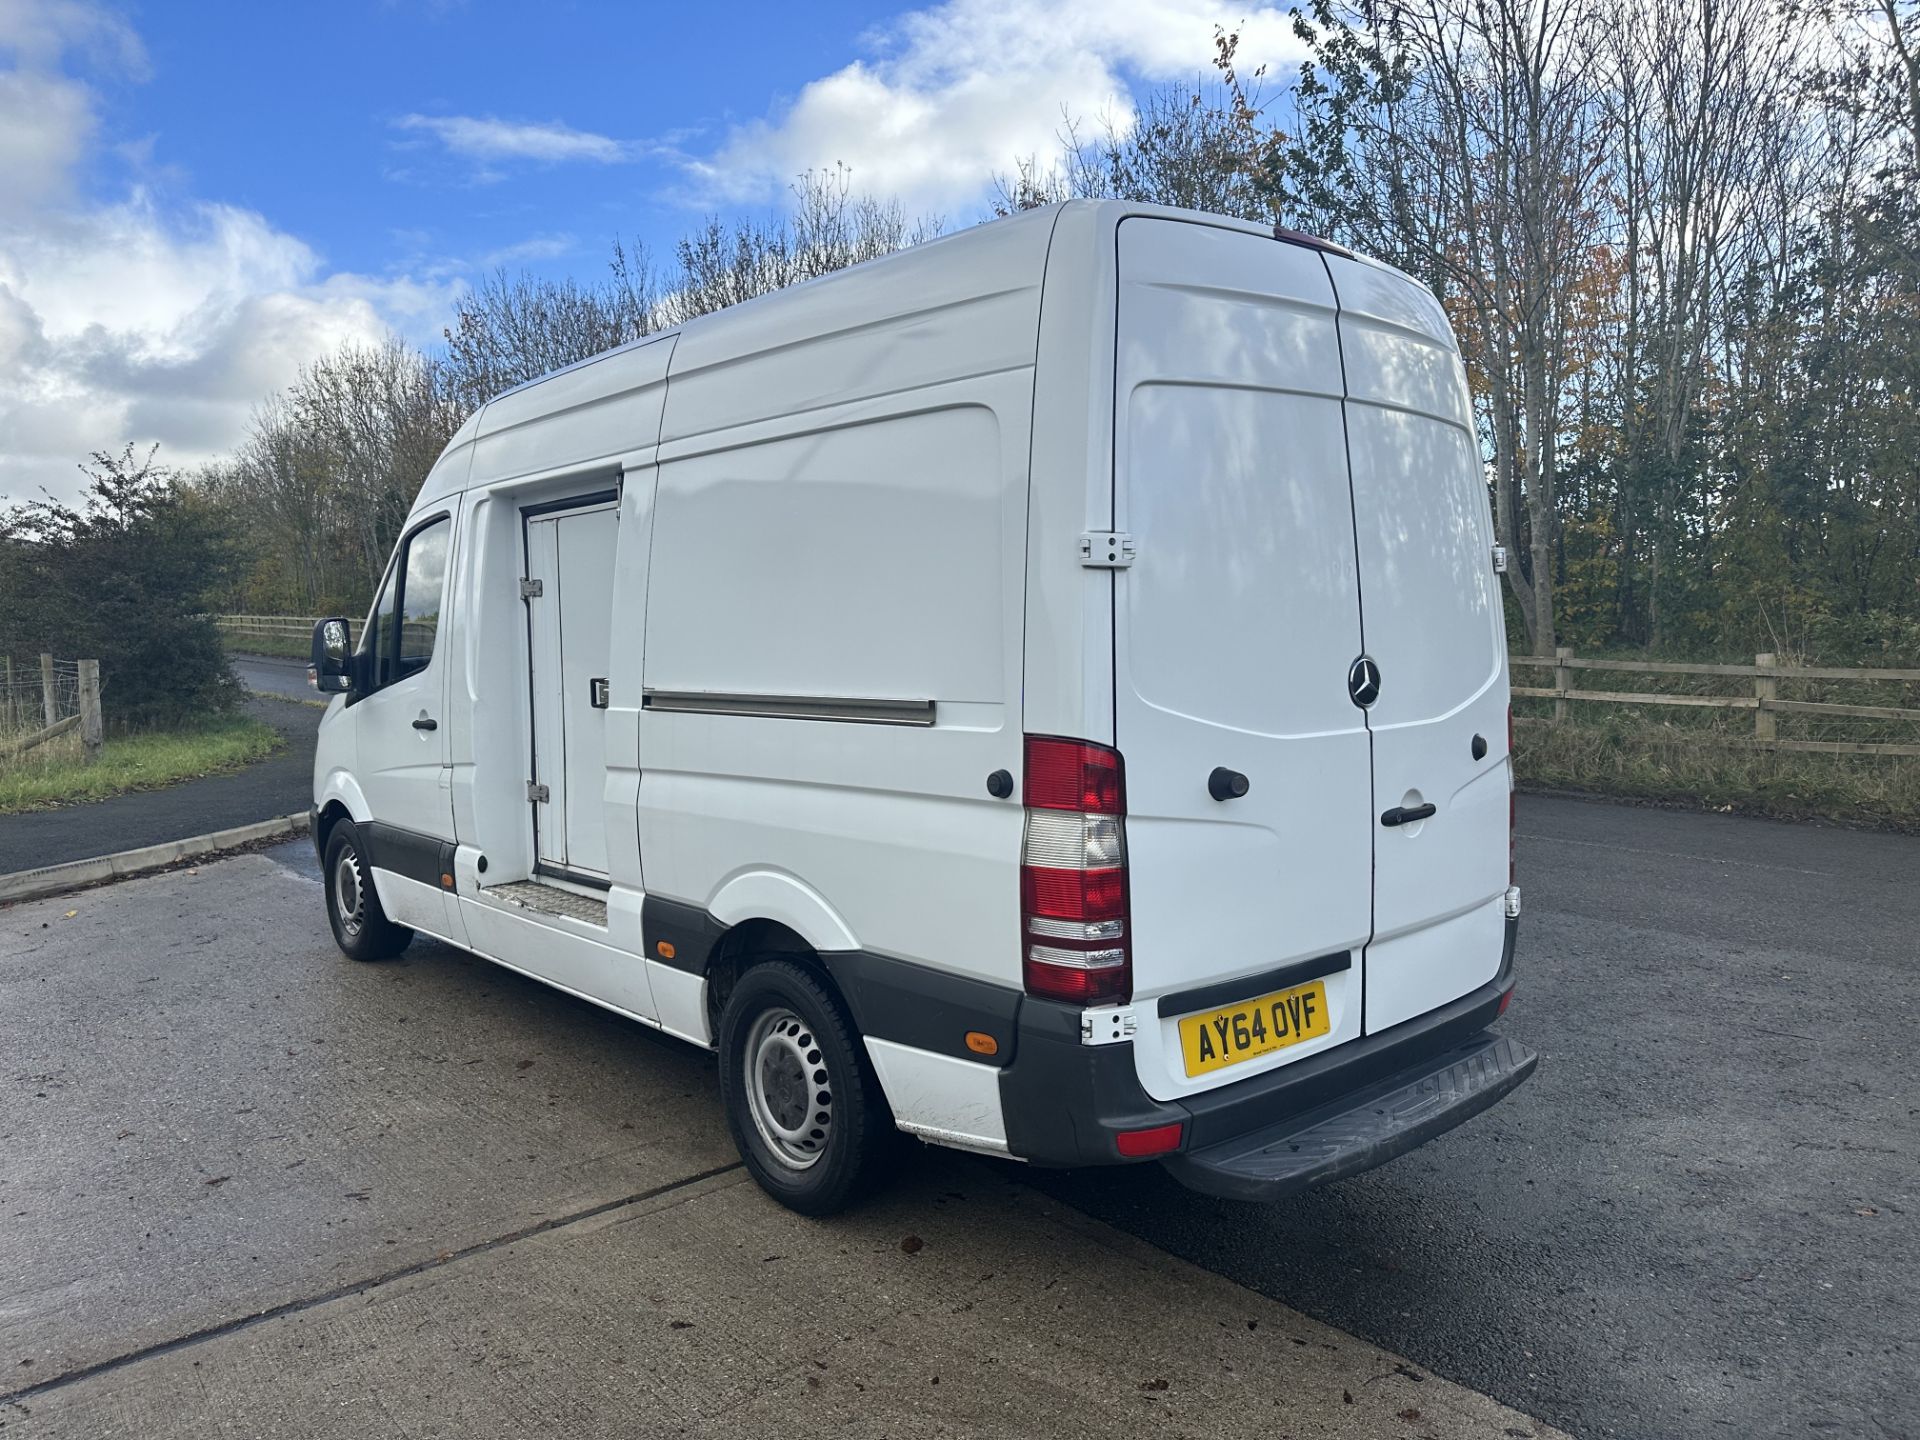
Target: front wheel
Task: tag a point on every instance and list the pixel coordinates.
(806, 1112)
(360, 927)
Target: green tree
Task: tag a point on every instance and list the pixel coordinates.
(125, 577)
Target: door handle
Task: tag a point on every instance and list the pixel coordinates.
(426, 722)
(1407, 814)
(1225, 784)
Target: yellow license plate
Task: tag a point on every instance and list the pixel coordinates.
(1219, 1038)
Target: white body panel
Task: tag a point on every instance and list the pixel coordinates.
(863, 497)
(949, 1101)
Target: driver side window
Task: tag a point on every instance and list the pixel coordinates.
(405, 621)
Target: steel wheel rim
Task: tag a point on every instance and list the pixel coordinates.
(789, 1089)
(349, 893)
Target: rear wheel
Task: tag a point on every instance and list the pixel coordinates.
(801, 1098)
(360, 927)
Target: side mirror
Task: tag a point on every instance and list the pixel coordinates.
(331, 668)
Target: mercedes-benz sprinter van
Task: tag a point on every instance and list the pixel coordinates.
(1044, 691)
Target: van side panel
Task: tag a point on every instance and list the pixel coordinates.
(840, 527)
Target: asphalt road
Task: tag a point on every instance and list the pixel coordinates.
(1700, 1216)
(273, 675)
(281, 784)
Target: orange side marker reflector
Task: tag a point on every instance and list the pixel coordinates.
(446, 882)
(982, 1043)
(664, 949)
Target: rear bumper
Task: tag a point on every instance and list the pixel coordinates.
(1065, 1102)
(1362, 1130)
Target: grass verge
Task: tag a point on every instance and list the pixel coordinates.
(57, 773)
(1677, 765)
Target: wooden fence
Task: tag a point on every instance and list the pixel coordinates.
(279, 632)
(1765, 702)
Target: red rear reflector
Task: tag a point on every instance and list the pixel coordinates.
(1157, 1141)
(1505, 1000)
(1077, 984)
(1073, 775)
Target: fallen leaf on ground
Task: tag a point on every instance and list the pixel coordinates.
(219, 1180)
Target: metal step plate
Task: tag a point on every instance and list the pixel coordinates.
(549, 900)
(1360, 1131)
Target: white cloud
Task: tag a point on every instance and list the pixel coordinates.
(483, 137)
(142, 318)
(952, 95)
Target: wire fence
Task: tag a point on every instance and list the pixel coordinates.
(31, 699)
(48, 700)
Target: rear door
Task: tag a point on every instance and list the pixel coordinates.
(1236, 627)
(1435, 632)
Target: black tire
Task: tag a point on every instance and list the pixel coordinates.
(360, 927)
(783, 1022)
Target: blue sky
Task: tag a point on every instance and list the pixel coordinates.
(196, 198)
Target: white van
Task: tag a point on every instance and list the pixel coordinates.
(1044, 691)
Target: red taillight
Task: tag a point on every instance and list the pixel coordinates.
(1157, 1141)
(1073, 874)
(1073, 775)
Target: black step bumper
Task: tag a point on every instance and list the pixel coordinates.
(1066, 1103)
(1364, 1129)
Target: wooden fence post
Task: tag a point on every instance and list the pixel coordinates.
(46, 689)
(1765, 688)
(90, 727)
(1562, 681)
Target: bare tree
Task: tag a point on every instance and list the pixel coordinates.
(828, 227)
(1460, 139)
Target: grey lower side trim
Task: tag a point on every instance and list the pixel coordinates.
(791, 707)
(407, 853)
(891, 999)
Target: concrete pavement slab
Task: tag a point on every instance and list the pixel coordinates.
(964, 1304)
(251, 1188)
(205, 1108)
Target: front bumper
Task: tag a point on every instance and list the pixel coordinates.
(1065, 1103)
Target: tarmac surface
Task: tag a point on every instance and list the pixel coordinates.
(281, 784)
(252, 1188)
(273, 675)
(1702, 1214)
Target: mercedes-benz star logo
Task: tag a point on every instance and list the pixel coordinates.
(1363, 682)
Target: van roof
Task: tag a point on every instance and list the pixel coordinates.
(998, 256)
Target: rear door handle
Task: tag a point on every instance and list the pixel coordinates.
(426, 722)
(1407, 814)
